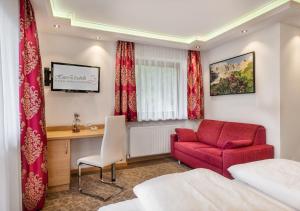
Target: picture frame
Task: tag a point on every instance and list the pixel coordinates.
(74, 82)
(232, 76)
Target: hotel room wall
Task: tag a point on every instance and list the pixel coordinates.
(93, 107)
(263, 107)
(290, 92)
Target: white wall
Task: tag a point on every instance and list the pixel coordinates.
(263, 107)
(290, 92)
(93, 107)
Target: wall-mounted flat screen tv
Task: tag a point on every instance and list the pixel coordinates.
(75, 78)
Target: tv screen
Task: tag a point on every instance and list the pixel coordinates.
(75, 78)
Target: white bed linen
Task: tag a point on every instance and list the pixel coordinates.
(201, 189)
(278, 178)
(128, 205)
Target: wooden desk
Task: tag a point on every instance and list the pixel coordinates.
(68, 134)
(59, 155)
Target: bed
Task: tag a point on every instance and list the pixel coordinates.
(262, 185)
(128, 205)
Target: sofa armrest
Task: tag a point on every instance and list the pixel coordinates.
(245, 155)
(174, 138)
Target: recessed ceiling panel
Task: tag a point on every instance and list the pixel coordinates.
(173, 17)
(171, 23)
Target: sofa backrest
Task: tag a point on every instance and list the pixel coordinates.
(260, 137)
(216, 133)
(241, 131)
(209, 131)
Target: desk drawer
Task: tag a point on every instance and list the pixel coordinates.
(58, 162)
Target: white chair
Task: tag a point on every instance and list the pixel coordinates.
(113, 149)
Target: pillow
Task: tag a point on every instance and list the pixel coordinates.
(232, 144)
(278, 178)
(186, 134)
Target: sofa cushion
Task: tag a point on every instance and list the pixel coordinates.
(209, 131)
(237, 131)
(186, 134)
(201, 151)
(213, 151)
(188, 147)
(213, 156)
(232, 144)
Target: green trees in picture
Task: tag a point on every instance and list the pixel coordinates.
(233, 76)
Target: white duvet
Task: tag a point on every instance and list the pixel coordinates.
(128, 205)
(201, 189)
(278, 178)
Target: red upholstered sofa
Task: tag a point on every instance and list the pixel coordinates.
(218, 145)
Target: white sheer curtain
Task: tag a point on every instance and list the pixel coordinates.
(10, 181)
(161, 81)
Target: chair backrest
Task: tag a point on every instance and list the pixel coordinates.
(113, 148)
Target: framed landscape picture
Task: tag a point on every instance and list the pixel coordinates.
(233, 76)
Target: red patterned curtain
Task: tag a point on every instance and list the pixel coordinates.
(125, 88)
(195, 86)
(31, 93)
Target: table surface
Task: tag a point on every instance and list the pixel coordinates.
(68, 134)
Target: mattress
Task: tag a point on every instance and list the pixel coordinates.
(196, 190)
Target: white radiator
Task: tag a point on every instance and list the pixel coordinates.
(150, 140)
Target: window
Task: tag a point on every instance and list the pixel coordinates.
(161, 83)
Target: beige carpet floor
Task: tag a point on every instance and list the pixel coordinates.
(127, 178)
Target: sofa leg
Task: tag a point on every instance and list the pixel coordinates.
(179, 162)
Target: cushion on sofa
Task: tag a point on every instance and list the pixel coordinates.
(213, 151)
(209, 131)
(187, 147)
(201, 151)
(213, 156)
(232, 144)
(186, 134)
(237, 131)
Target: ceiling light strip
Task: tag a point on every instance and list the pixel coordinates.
(115, 29)
(138, 33)
(244, 19)
(59, 13)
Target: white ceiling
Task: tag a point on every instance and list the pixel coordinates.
(171, 18)
(174, 17)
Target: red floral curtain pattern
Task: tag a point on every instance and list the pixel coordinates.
(195, 86)
(125, 87)
(31, 93)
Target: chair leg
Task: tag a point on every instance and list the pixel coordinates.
(101, 174)
(112, 183)
(79, 177)
(113, 172)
